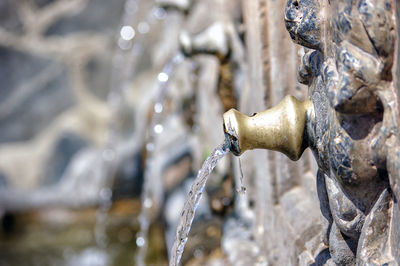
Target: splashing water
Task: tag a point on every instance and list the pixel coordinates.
(189, 208)
(150, 179)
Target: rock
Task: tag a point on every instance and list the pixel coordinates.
(65, 148)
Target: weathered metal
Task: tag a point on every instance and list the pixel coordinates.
(280, 128)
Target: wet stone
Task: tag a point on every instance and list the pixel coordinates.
(98, 15)
(36, 109)
(16, 68)
(65, 148)
(9, 19)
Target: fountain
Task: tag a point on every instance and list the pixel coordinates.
(349, 121)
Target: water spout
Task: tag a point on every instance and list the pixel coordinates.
(281, 128)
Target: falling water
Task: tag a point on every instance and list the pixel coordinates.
(109, 160)
(125, 58)
(189, 208)
(151, 180)
(242, 189)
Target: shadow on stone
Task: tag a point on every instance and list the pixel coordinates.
(322, 258)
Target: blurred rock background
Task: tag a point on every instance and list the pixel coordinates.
(78, 83)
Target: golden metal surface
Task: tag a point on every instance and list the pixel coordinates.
(280, 128)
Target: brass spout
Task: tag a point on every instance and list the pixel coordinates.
(280, 128)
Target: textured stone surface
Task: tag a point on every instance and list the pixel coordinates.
(347, 135)
(348, 68)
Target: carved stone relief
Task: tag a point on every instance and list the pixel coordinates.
(348, 66)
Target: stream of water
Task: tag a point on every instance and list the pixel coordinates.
(151, 180)
(110, 154)
(192, 201)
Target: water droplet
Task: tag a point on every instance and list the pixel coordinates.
(143, 27)
(179, 57)
(105, 194)
(158, 107)
(260, 229)
(124, 44)
(127, 33)
(131, 6)
(198, 253)
(242, 190)
(162, 77)
(140, 241)
(147, 203)
(160, 13)
(150, 146)
(158, 129)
